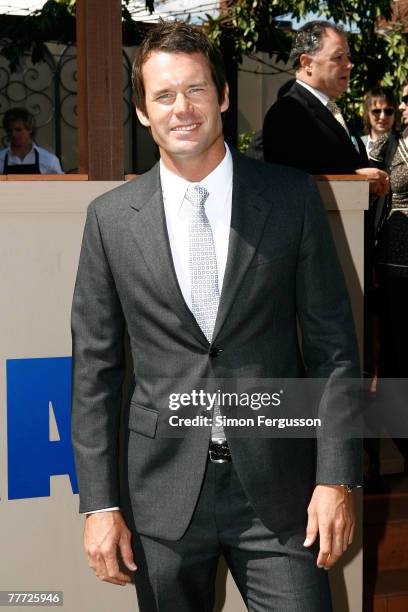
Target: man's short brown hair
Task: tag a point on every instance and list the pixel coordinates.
(176, 37)
(19, 114)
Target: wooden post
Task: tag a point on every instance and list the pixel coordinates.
(100, 89)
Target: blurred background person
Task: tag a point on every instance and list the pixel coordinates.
(379, 117)
(305, 128)
(22, 155)
(380, 110)
(390, 152)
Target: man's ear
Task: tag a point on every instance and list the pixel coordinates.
(305, 61)
(225, 103)
(142, 117)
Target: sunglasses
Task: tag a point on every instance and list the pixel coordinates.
(387, 111)
(404, 99)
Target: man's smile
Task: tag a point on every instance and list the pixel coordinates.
(185, 128)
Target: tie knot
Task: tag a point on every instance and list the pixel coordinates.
(197, 195)
(333, 108)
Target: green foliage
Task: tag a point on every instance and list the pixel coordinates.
(244, 140)
(247, 26)
(70, 4)
(54, 21)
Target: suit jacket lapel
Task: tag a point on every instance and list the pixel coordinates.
(248, 215)
(322, 113)
(149, 229)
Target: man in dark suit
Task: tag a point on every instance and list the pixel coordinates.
(206, 261)
(305, 128)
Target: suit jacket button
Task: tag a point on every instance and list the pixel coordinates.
(215, 351)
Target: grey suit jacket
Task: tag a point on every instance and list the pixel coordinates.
(281, 265)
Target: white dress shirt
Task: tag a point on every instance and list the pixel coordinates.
(48, 162)
(177, 213)
(368, 143)
(318, 94)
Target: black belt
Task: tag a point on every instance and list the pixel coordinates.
(219, 452)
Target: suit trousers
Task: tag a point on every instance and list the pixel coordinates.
(273, 571)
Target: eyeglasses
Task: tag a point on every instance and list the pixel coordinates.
(387, 111)
(404, 99)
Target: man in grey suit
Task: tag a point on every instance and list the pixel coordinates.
(206, 262)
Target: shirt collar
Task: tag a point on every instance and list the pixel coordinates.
(217, 183)
(34, 146)
(319, 94)
(369, 145)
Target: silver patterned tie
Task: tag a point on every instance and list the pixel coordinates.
(336, 112)
(205, 294)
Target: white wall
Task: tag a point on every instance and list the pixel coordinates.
(41, 227)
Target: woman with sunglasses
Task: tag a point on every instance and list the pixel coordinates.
(390, 152)
(380, 109)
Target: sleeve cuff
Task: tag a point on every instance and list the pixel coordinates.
(102, 510)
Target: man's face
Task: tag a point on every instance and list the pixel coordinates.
(404, 105)
(329, 69)
(380, 116)
(182, 108)
(18, 134)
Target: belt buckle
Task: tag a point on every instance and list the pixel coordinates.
(212, 453)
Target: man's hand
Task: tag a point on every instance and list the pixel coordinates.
(331, 514)
(379, 180)
(104, 533)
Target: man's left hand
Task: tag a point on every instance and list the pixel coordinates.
(379, 180)
(331, 515)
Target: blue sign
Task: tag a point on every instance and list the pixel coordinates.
(36, 388)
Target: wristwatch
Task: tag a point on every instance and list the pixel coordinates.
(348, 488)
